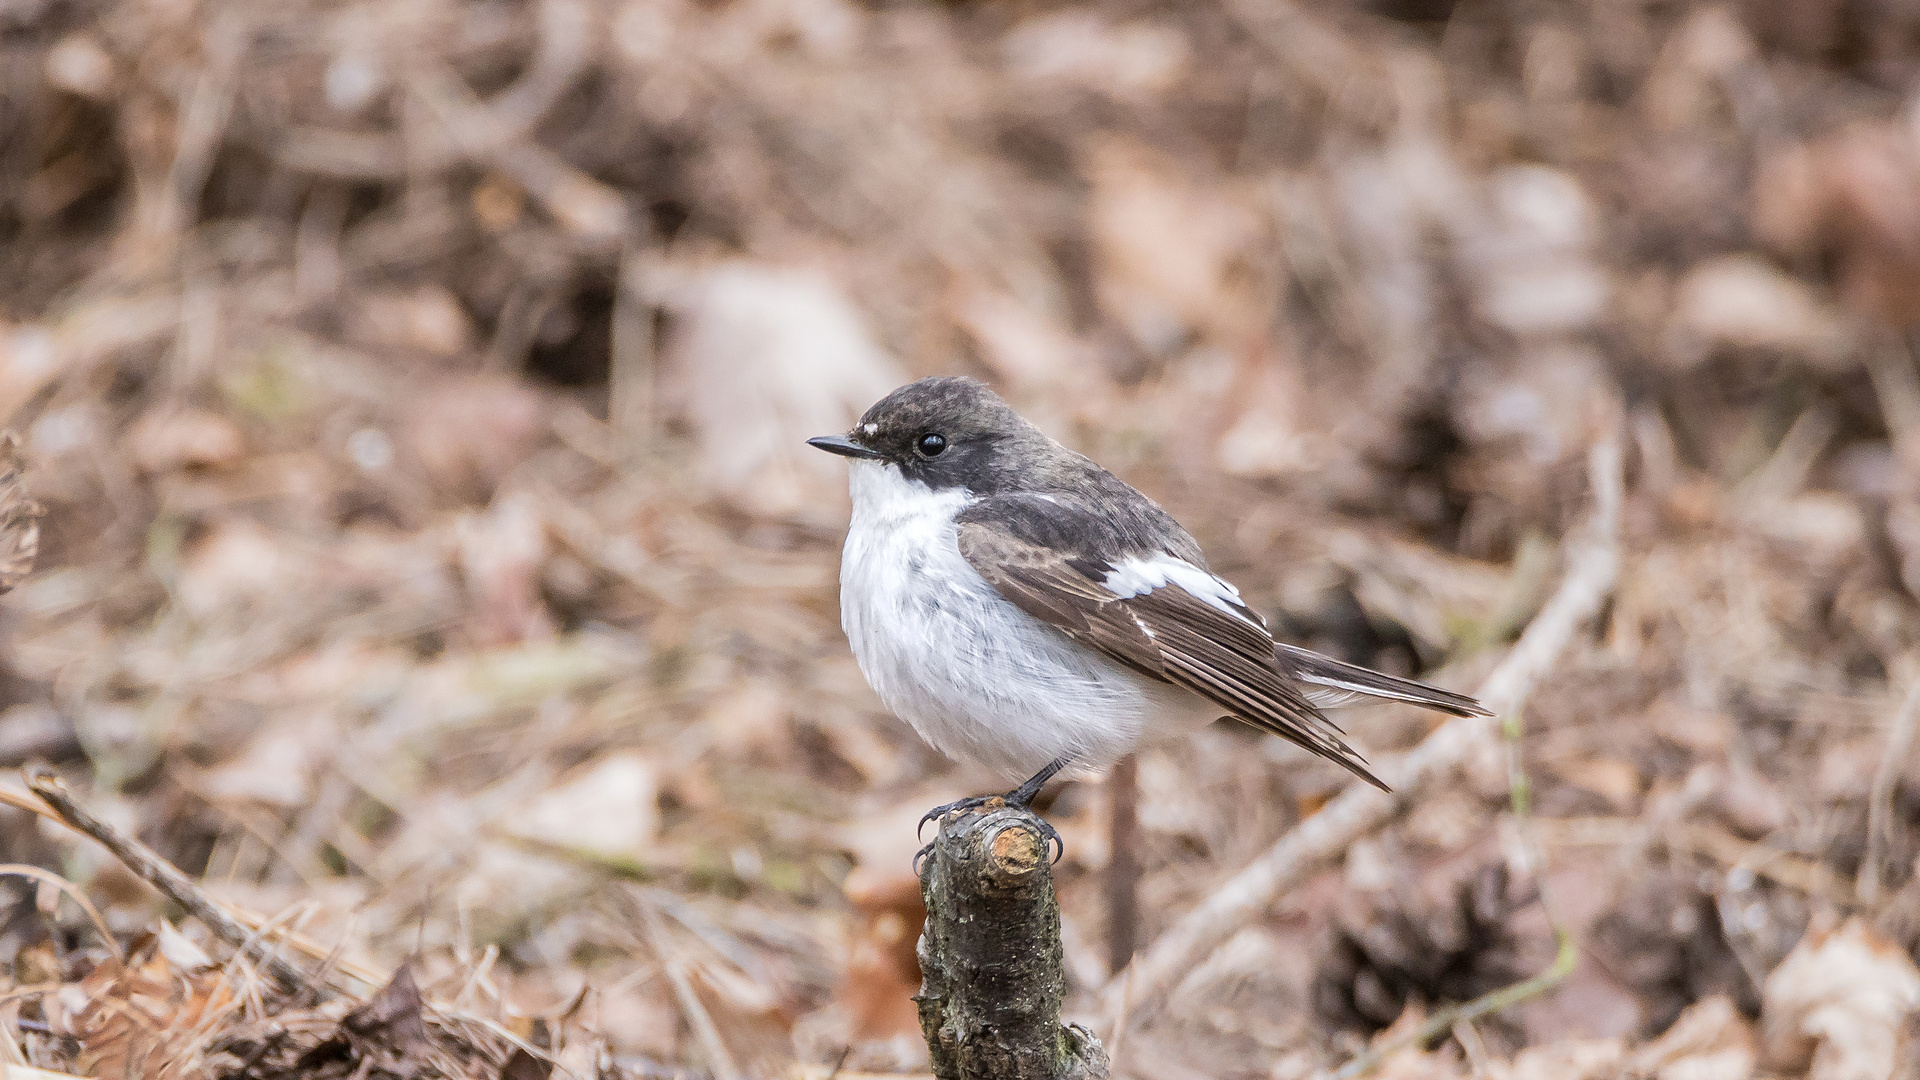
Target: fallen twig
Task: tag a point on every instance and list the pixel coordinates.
(176, 886)
(1592, 566)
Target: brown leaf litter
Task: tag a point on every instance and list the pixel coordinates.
(416, 391)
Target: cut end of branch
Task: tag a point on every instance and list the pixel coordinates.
(1016, 850)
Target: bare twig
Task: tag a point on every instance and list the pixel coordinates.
(167, 878)
(1633, 835)
(28, 1072)
(1318, 56)
(585, 206)
(28, 803)
(202, 125)
(1118, 1025)
(1592, 566)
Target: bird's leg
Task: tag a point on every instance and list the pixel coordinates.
(1020, 798)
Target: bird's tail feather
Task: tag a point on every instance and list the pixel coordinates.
(1311, 667)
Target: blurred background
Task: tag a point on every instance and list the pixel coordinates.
(416, 390)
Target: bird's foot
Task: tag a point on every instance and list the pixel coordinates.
(971, 802)
(987, 802)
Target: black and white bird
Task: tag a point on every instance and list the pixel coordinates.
(1028, 611)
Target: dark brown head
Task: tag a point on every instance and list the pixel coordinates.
(948, 432)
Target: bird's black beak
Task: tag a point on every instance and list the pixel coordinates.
(845, 447)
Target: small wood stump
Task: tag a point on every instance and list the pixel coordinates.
(990, 966)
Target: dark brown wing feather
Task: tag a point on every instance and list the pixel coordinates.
(1167, 634)
(1044, 585)
(1311, 667)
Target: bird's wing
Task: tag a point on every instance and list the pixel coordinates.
(1157, 613)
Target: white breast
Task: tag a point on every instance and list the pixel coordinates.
(979, 679)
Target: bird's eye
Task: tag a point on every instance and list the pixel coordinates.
(932, 444)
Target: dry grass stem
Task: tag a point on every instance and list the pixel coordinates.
(176, 886)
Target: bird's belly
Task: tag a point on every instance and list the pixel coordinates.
(979, 679)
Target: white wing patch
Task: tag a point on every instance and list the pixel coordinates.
(1134, 576)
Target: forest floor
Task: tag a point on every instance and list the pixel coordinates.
(432, 568)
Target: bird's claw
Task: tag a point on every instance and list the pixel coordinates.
(1051, 837)
(972, 802)
(1048, 833)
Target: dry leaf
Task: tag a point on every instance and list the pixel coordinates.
(236, 567)
(1710, 1041)
(130, 1019)
(1026, 350)
(883, 971)
(1613, 779)
(502, 554)
(752, 717)
(1851, 195)
(1837, 1006)
(79, 65)
(276, 769)
(390, 1027)
(1533, 260)
(428, 319)
(1267, 436)
(1568, 1059)
(760, 359)
(1744, 302)
(167, 439)
(524, 1066)
(468, 432)
(1175, 256)
(609, 809)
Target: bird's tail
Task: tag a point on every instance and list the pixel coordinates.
(1316, 670)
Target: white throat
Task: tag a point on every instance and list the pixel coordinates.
(884, 498)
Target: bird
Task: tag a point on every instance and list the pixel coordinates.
(1025, 610)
